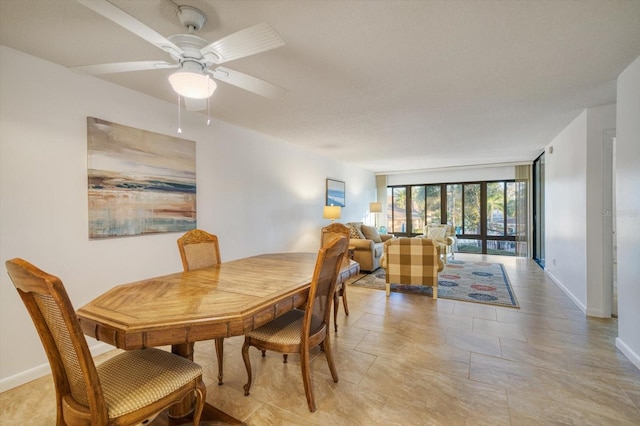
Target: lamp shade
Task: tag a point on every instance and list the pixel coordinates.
(192, 84)
(331, 212)
(375, 207)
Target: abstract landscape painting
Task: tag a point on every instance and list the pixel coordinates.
(140, 182)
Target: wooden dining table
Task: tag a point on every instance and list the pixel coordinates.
(180, 309)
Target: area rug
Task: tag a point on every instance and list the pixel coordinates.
(478, 282)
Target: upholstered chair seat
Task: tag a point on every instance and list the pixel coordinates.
(161, 372)
(284, 330)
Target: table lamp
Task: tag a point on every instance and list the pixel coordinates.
(331, 212)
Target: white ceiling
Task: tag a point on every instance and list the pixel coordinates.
(387, 85)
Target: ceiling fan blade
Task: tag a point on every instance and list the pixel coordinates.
(123, 67)
(192, 104)
(249, 83)
(128, 22)
(256, 39)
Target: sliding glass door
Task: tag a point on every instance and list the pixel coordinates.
(538, 210)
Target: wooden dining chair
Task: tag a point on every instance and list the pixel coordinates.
(298, 331)
(127, 389)
(199, 249)
(329, 233)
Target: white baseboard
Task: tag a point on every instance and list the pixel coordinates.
(626, 350)
(42, 370)
(24, 377)
(566, 291)
(598, 313)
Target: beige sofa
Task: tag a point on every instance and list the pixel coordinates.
(367, 245)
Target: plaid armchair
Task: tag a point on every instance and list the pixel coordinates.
(412, 261)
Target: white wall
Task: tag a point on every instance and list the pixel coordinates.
(256, 193)
(574, 225)
(628, 211)
(599, 287)
(565, 203)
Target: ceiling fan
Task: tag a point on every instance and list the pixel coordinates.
(193, 55)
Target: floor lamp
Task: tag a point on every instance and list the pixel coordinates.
(375, 208)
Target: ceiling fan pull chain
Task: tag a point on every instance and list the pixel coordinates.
(179, 118)
(208, 109)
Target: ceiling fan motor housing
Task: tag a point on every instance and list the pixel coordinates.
(192, 66)
(191, 18)
(191, 46)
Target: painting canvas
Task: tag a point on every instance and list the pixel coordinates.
(140, 182)
(335, 193)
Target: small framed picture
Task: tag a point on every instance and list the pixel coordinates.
(335, 193)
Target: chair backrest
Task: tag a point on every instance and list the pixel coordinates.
(323, 286)
(333, 231)
(52, 313)
(439, 231)
(198, 249)
(412, 261)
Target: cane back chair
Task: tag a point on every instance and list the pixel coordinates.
(329, 233)
(127, 389)
(199, 249)
(299, 330)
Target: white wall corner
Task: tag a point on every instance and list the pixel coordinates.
(628, 352)
(566, 291)
(43, 369)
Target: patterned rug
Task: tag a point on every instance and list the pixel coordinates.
(479, 282)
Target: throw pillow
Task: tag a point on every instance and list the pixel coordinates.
(371, 233)
(436, 232)
(355, 230)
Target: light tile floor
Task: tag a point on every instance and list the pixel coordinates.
(410, 360)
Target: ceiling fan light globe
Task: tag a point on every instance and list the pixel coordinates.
(192, 85)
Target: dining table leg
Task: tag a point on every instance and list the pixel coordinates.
(219, 355)
(182, 412)
(185, 407)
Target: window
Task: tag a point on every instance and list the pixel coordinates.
(511, 204)
(495, 208)
(454, 206)
(471, 212)
(501, 217)
(482, 213)
(397, 210)
(418, 203)
(434, 204)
